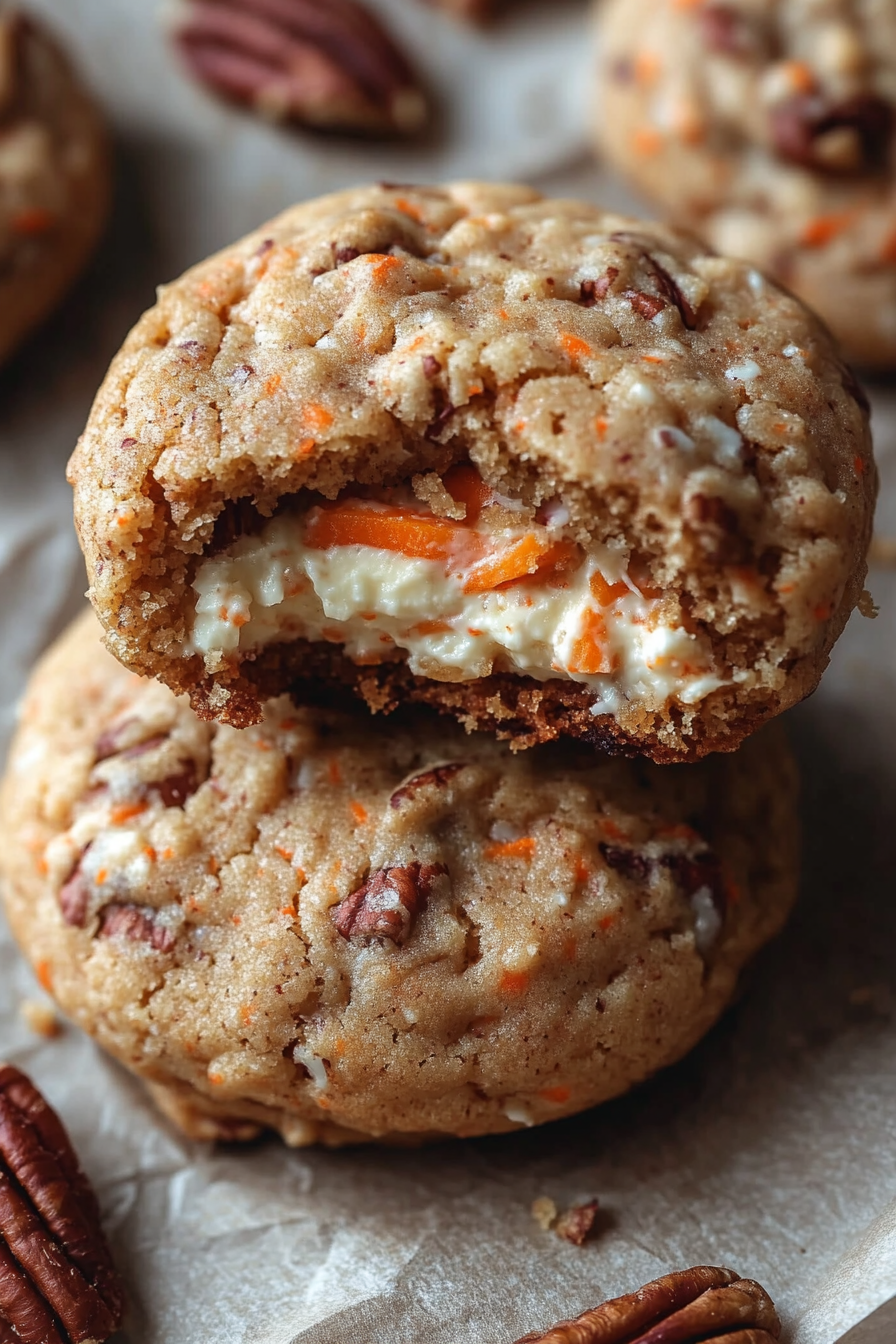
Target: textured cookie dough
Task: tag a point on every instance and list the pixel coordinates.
(341, 929)
(572, 474)
(54, 176)
(767, 126)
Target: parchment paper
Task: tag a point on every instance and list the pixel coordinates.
(772, 1148)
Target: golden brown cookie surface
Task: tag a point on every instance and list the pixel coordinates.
(470, 434)
(342, 929)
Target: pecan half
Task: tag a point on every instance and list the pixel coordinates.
(695, 1306)
(138, 923)
(324, 63)
(850, 136)
(387, 904)
(437, 778)
(58, 1284)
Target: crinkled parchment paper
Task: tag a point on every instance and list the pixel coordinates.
(772, 1148)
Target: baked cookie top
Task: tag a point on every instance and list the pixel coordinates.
(553, 470)
(769, 126)
(53, 173)
(339, 927)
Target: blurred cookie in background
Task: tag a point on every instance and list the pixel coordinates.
(54, 175)
(327, 64)
(767, 127)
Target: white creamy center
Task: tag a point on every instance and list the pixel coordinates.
(274, 587)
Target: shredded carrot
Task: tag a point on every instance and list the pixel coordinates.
(213, 864)
(418, 535)
(44, 976)
(514, 982)
(101, 875)
(247, 1015)
(471, 630)
(304, 447)
(382, 266)
(558, 1095)
(410, 209)
(334, 772)
(824, 611)
(678, 831)
(285, 854)
(503, 314)
(582, 871)
(359, 812)
(647, 66)
(316, 417)
(236, 919)
(339, 1047)
(605, 594)
(431, 628)
(272, 385)
(589, 653)
(614, 832)
(606, 923)
(30, 223)
(150, 853)
(466, 486)
(800, 76)
(574, 346)
(647, 141)
(522, 559)
(825, 228)
(216, 1079)
(524, 848)
(859, 465)
(42, 866)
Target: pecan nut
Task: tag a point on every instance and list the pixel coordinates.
(851, 136)
(58, 1284)
(387, 904)
(439, 777)
(325, 63)
(695, 1306)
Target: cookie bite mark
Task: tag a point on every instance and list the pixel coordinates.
(497, 592)
(519, 461)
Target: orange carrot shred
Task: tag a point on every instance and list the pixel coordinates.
(574, 346)
(605, 594)
(589, 653)
(44, 976)
(558, 1095)
(524, 848)
(466, 486)
(514, 982)
(272, 384)
(359, 812)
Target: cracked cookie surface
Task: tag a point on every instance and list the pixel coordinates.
(767, 126)
(553, 471)
(54, 175)
(341, 930)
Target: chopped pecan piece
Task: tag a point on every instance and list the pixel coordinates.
(438, 777)
(628, 862)
(325, 63)
(695, 1306)
(592, 291)
(387, 904)
(716, 527)
(58, 1284)
(851, 136)
(74, 896)
(648, 305)
(138, 923)
(575, 1224)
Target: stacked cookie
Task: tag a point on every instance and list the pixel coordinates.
(410, 461)
(767, 128)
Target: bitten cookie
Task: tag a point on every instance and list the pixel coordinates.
(551, 470)
(767, 126)
(340, 929)
(54, 176)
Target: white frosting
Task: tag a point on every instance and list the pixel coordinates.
(273, 587)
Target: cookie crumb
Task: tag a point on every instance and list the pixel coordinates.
(576, 1223)
(544, 1211)
(40, 1017)
(867, 606)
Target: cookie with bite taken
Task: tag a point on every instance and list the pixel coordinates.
(341, 931)
(555, 472)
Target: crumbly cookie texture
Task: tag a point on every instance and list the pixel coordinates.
(338, 929)
(54, 175)
(659, 429)
(767, 127)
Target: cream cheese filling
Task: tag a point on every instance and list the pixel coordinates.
(589, 624)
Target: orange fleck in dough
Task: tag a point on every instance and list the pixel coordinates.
(523, 848)
(589, 653)
(382, 266)
(574, 346)
(359, 812)
(273, 384)
(316, 417)
(514, 982)
(647, 141)
(605, 594)
(44, 976)
(31, 223)
(410, 209)
(558, 1095)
